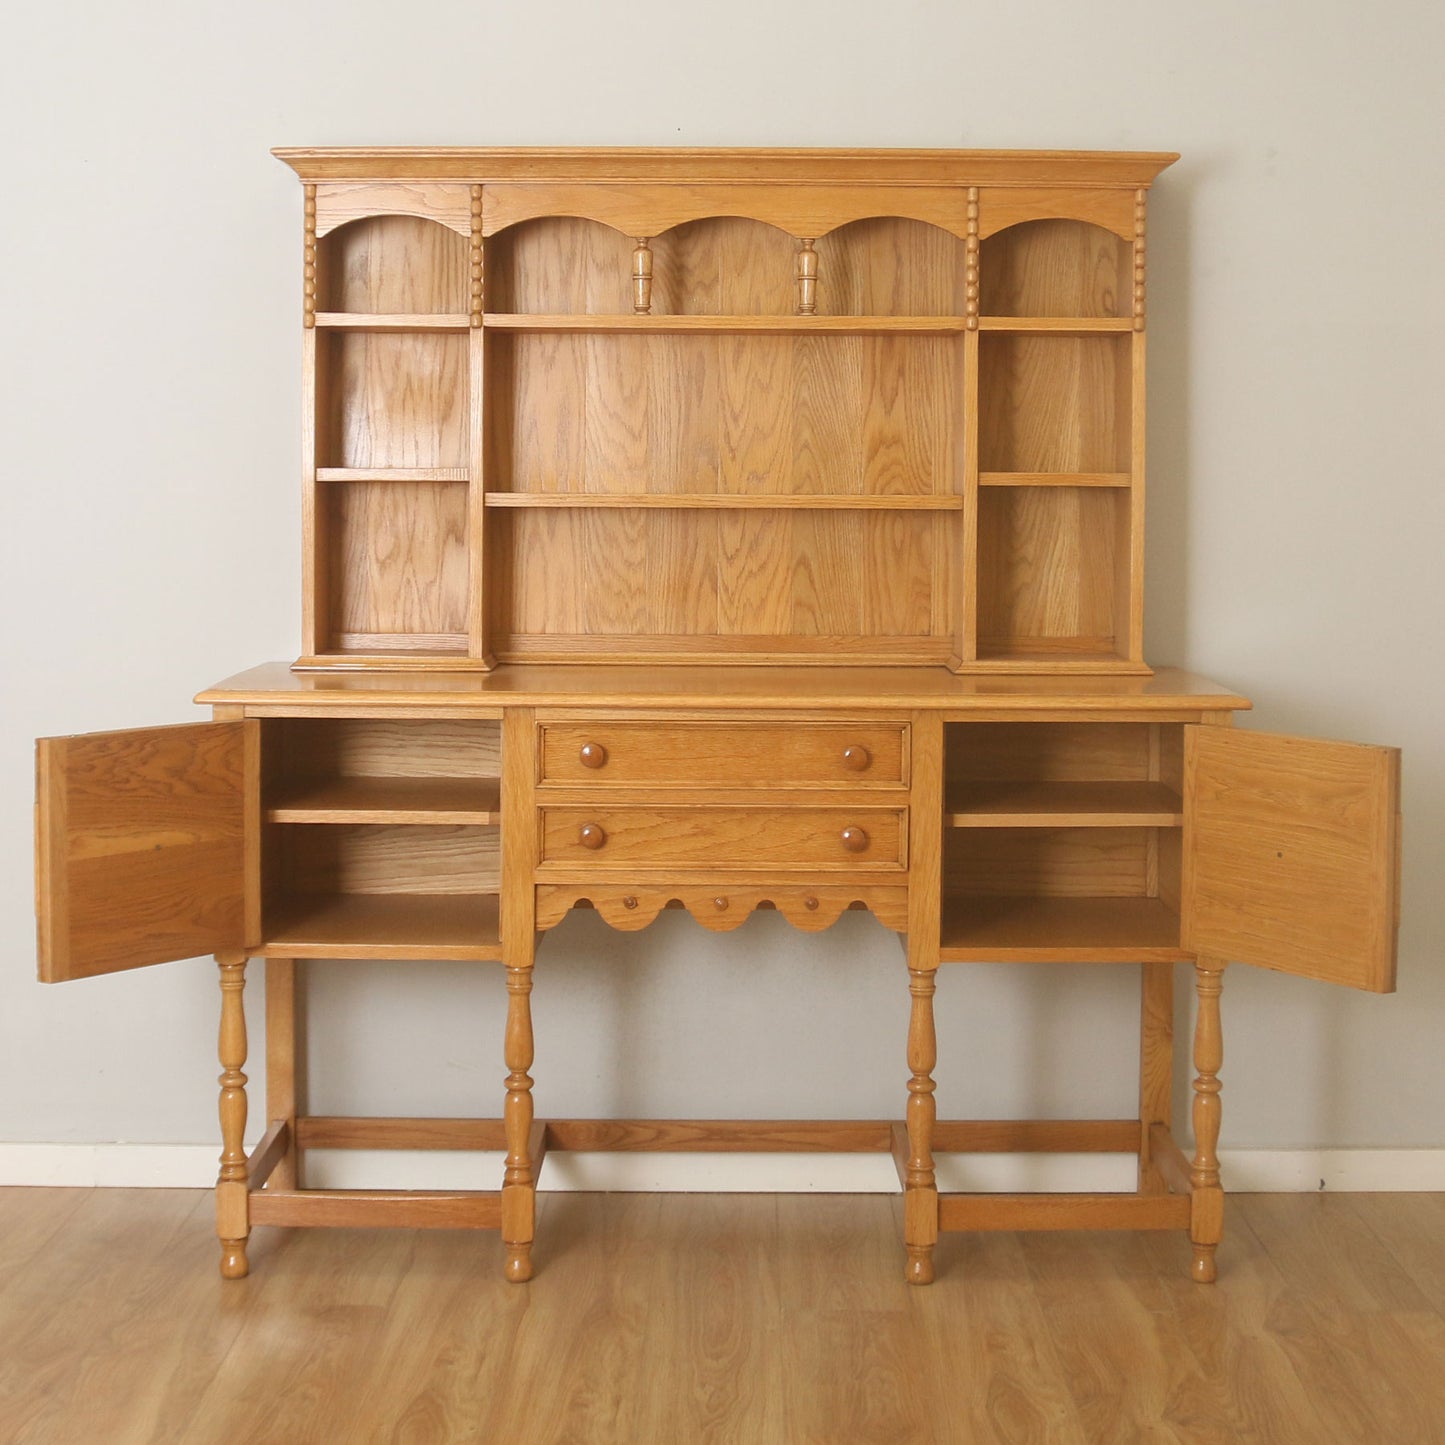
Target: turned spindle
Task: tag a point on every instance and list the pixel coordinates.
(1139, 254)
(232, 1221)
(476, 257)
(1206, 1216)
(970, 263)
(518, 1191)
(642, 276)
(805, 272)
(308, 263)
(920, 1202)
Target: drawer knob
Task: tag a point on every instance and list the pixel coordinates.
(591, 835)
(592, 755)
(855, 840)
(856, 758)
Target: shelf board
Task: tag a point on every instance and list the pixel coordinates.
(392, 474)
(736, 325)
(1059, 930)
(1054, 479)
(818, 502)
(1064, 805)
(1063, 325)
(387, 800)
(384, 925)
(398, 321)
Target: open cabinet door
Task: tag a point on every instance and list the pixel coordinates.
(1291, 854)
(142, 845)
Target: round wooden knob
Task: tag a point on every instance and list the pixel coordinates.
(592, 755)
(591, 835)
(855, 840)
(856, 758)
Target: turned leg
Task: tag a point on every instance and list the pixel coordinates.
(519, 1194)
(232, 1215)
(1206, 1213)
(920, 1189)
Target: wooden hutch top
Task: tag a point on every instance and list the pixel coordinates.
(724, 406)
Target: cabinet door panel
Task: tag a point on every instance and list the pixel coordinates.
(141, 846)
(1291, 854)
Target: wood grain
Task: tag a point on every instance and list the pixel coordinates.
(1060, 929)
(398, 559)
(1072, 862)
(1325, 1325)
(371, 858)
(1046, 569)
(1290, 854)
(723, 838)
(1051, 403)
(392, 263)
(141, 854)
(383, 925)
(791, 754)
(392, 399)
(1056, 268)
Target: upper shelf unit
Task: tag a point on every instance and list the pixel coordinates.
(732, 406)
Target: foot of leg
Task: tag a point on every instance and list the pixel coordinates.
(234, 1264)
(518, 1267)
(919, 1269)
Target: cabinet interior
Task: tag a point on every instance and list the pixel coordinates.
(383, 833)
(1061, 832)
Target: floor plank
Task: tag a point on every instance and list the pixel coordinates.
(746, 1319)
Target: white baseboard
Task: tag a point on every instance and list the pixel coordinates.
(193, 1166)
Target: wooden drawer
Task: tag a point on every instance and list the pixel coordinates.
(725, 754)
(599, 838)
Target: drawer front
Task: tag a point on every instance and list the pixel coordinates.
(725, 754)
(605, 838)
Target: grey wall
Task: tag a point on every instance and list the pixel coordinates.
(150, 292)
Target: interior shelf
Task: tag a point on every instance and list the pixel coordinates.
(736, 325)
(1063, 325)
(393, 321)
(387, 800)
(392, 474)
(985, 929)
(1063, 804)
(384, 925)
(801, 501)
(1054, 479)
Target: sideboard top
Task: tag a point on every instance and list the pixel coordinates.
(677, 163)
(574, 685)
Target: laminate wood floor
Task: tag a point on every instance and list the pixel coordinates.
(667, 1320)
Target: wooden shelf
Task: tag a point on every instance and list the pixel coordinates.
(413, 321)
(1059, 325)
(1060, 930)
(392, 474)
(776, 501)
(384, 925)
(387, 800)
(1054, 479)
(735, 325)
(1064, 805)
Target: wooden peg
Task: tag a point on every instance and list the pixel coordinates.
(805, 272)
(970, 272)
(642, 276)
(477, 258)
